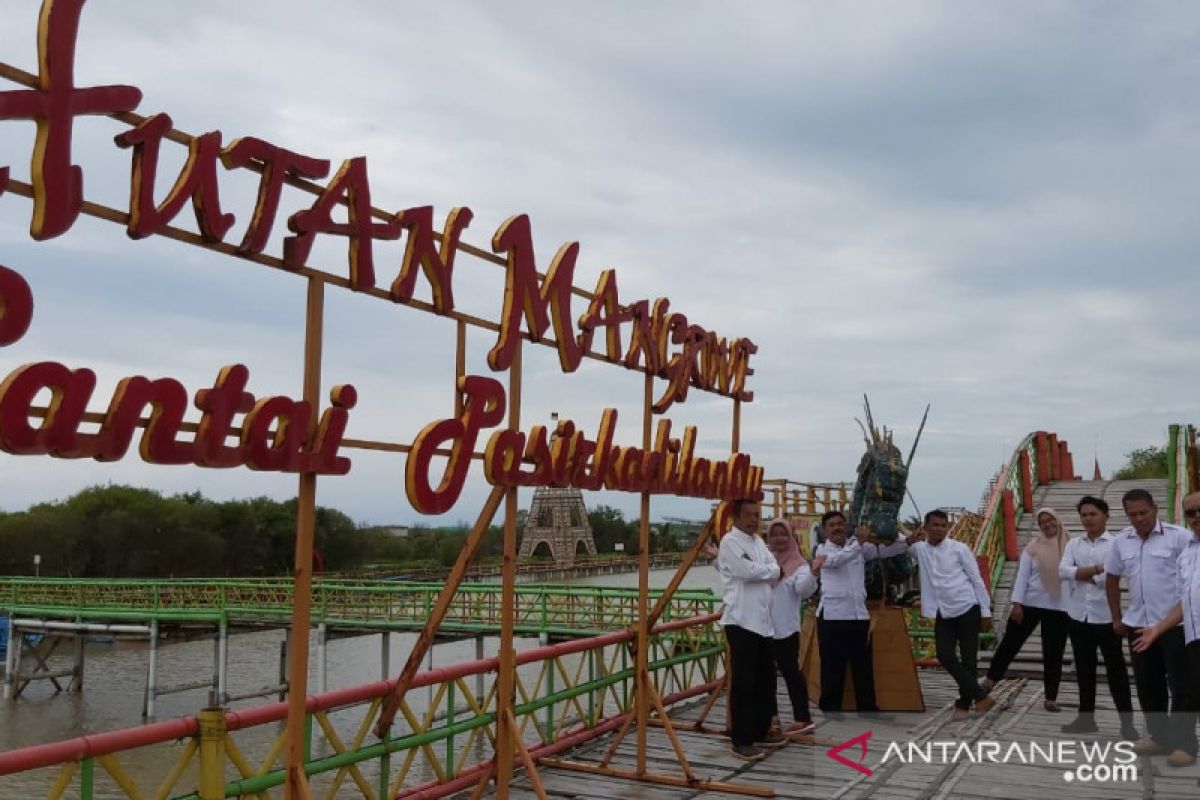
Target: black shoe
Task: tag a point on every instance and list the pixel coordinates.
(1084, 723)
(771, 740)
(747, 752)
(1130, 733)
(833, 714)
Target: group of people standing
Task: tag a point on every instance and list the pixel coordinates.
(1070, 587)
(765, 586)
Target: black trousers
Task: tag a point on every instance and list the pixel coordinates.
(1193, 678)
(1086, 638)
(842, 642)
(1161, 669)
(1054, 643)
(751, 685)
(957, 641)
(787, 659)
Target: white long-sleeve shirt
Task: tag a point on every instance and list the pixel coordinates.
(1030, 590)
(1151, 568)
(746, 567)
(950, 580)
(1086, 601)
(1189, 590)
(872, 551)
(787, 598)
(843, 589)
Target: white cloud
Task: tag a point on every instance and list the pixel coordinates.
(989, 208)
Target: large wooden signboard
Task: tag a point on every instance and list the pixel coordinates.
(226, 425)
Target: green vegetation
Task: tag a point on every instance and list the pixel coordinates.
(124, 531)
(1147, 462)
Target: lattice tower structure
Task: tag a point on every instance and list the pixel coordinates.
(559, 518)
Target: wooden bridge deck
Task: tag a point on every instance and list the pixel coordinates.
(805, 771)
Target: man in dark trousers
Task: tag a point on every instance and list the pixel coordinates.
(747, 569)
(1187, 611)
(955, 597)
(1091, 626)
(1147, 553)
(843, 624)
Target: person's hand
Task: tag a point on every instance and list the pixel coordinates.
(985, 624)
(1017, 614)
(816, 565)
(862, 533)
(1145, 639)
(916, 536)
(1120, 627)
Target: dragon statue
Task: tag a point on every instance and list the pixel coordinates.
(878, 495)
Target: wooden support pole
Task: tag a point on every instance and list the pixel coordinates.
(506, 739)
(391, 703)
(296, 787)
(460, 364)
(642, 656)
(385, 654)
(1026, 483)
(1041, 438)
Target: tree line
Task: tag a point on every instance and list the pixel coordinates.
(124, 531)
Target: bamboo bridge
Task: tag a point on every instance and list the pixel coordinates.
(576, 701)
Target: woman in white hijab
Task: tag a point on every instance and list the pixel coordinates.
(795, 585)
(1037, 599)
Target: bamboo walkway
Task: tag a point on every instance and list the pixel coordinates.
(802, 770)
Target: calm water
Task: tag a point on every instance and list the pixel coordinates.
(115, 679)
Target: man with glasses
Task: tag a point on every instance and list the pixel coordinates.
(1147, 553)
(1186, 611)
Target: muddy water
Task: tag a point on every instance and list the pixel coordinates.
(115, 679)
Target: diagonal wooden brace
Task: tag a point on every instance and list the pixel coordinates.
(391, 703)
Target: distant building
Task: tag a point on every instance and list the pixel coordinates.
(557, 526)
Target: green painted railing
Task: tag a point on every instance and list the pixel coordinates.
(441, 743)
(550, 609)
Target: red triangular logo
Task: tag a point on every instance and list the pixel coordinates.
(861, 740)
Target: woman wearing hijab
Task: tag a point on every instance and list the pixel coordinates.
(795, 585)
(1037, 598)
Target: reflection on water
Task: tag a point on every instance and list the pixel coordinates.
(115, 682)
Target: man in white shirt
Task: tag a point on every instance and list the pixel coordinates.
(1090, 624)
(747, 569)
(954, 595)
(1186, 611)
(843, 624)
(1147, 554)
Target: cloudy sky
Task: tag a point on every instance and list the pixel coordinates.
(988, 207)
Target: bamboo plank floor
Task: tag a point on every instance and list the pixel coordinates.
(803, 771)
